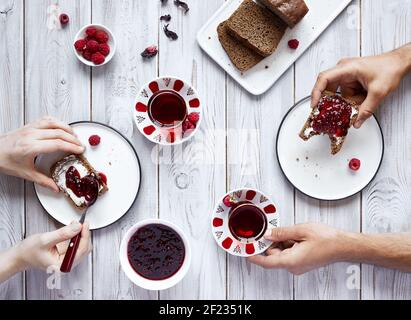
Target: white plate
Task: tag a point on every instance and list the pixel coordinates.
(116, 158)
(259, 79)
(309, 165)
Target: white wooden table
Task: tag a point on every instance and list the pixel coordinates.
(39, 75)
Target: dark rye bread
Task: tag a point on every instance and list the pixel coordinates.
(242, 57)
(256, 27)
(290, 11)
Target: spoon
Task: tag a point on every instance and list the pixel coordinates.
(92, 190)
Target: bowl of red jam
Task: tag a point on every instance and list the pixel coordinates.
(155, 254)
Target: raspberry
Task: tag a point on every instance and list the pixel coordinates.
(64, 19)
(92, 46)
(91, 31)
(98, 58)
(94, 140)
(101, 36)
(293, 43)
(228, 201)
(80, 44)
(104, 49)
(187, 125)
(103, 177)
(87, 55)
(194, 117)
(355, 164)
(150, 52)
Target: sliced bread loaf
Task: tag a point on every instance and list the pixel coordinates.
(290, 11)
(256, 27)
(242, 57)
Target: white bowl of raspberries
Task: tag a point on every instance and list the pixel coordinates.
(94, 45)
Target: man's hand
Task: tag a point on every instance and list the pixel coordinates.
(368, 81)
(19, 148)
(302, 248)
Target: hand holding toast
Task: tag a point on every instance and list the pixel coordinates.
(367, 80)
(22, 146)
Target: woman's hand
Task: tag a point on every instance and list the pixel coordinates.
(41, 251)
(302, 248)
(19, 148)
(367, 80)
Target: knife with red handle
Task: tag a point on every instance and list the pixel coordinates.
(93, 189)
(72, 248)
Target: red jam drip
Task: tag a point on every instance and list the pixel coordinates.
(334, 116)
(103, 177)
(156, 252)
(86, 187)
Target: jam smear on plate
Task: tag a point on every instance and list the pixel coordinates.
(334, 116)
(82, 187)
(156, 252)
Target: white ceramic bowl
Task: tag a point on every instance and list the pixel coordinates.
(153, 284)
(111, 42)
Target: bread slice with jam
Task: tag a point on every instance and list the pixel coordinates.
(71, 175)
(333, 116)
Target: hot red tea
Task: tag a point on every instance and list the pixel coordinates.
(156, 252)
(167, 108)
(247, 221)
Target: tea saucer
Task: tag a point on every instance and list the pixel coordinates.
(116, 158)
(151, 130)
(221, 231)
(309, 165)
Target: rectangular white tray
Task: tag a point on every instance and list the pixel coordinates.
(260, 78)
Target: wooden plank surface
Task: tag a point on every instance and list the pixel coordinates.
(57, 84)
(11, 118)
(340, 40)
(252, 162)
(114, 90)
(192, 179)
(387, 201)
(184, 188)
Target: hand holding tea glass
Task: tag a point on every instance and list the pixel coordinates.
(302, 248)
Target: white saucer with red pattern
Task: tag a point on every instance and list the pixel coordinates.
(229, 242)
(160, 134)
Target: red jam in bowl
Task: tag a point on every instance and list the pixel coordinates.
(156, 252)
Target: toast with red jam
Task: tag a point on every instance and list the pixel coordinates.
(73, 175)
(333, 116)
